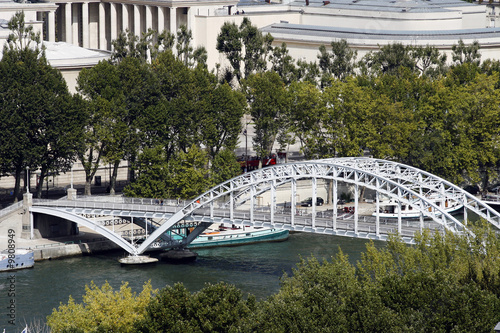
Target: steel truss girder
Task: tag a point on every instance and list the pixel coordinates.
(395, 180)
(419, 179)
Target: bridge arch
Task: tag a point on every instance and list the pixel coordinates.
(403, 183)
(117, 239)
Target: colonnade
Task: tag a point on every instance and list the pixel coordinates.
(95, 24)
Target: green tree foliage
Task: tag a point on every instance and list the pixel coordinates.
(436, 285)
(224, 166)
(221, 121)
(388, 59)
(129, 45)
(444, 282)
(102, 310)
(184, 176)
(118, 96)
(244, 44)
(391, 58)
(229, 43)
(429, 61)
(256, 46)
(305, 113)
(342, 114)
(283, 64)
(339, 64)
(40, 126)
(269, 106)
(466, 53)
(215, 308)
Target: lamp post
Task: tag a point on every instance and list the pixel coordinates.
(246, 147)
(27, 179)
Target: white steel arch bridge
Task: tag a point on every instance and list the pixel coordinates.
(235, 201)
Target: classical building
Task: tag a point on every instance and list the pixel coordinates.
(303, 25)
(68, 58)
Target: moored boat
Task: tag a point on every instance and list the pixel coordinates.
(18, 259)
(238, 236)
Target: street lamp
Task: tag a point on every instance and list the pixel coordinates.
(246, 147)
(27, 179)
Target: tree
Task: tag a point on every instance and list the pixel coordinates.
(152, 171)
(445, 283)
(388, 59)
(256, 46)
(229, 43)
(283, 64)
(339, 64)
(185, 51)
(221, 119)
(215, 308)
(101, 88)
(129, 45)
(246, 44)
(342, 116)
(268, 101)
(36, 105)
(224, 167)
(102, 310)
(466, 53)
(184, 176)
(429, 61)
(304, 116)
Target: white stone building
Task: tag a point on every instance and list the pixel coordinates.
(304, 25)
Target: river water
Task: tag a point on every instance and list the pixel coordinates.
(253, 268)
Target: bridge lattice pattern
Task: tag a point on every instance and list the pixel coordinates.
(235, 201)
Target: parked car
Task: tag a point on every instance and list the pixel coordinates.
(308, 202)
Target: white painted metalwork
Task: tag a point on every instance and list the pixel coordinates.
(115, 238)
(234, 201)
(407, 185)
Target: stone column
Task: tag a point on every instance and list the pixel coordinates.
(173, 20)
(149, 17)
(52, 26)
(85, 25)
(190, 19)
(125, 17)
(68, 20)
(113, 18)
(161, 19)
(102, 27)
(75, 25)
(137, 20)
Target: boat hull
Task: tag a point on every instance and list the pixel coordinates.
(22, 259)
(240, 238)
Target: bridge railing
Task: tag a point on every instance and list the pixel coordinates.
(11, 208)
(134, 201)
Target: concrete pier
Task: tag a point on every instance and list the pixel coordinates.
(137, 260)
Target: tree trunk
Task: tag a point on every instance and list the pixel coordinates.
(88, 183)
(112, 181)
(17, 184)
(39, 186)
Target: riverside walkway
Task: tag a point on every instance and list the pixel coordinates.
(236, 202)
